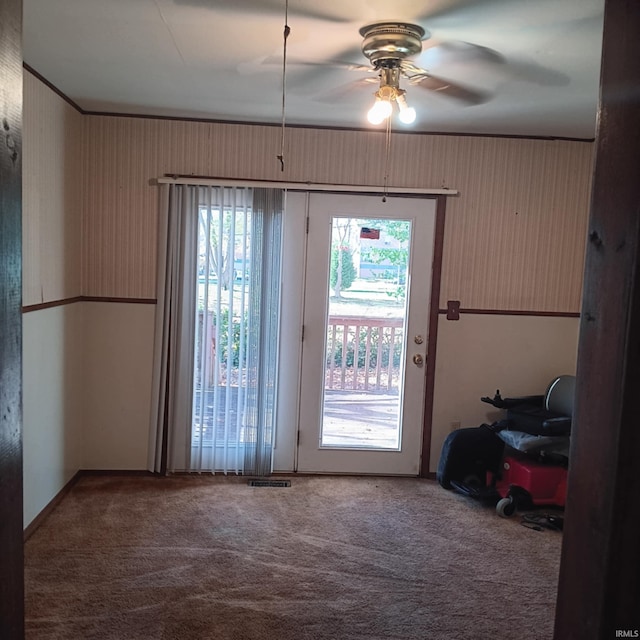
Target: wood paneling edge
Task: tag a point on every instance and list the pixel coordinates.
(48, 305)
(53, 88)
(118, 300)
(318, 127)
(116, 472)
(513, 312)
(66, 301)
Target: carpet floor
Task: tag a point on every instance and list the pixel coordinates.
(328, 558)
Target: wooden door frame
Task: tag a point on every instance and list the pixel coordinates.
(599, 586)
(432, 338)
(11, 506)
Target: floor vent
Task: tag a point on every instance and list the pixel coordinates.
(269, 483)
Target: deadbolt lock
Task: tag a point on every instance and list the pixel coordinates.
(418, 339)
(418, 360)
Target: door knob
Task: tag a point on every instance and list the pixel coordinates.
(418, 360)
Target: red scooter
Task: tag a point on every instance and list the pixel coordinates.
(520, 461)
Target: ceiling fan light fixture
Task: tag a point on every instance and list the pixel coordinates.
(383, 106)
(380, 111)
(407, 114)
(382, 40)
(387, 45)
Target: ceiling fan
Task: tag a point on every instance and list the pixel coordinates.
(402, 50)
(389, 47)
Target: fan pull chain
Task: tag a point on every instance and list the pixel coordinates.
(287, 31)
(387, 158)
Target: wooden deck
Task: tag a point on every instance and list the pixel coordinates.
(351, 418)
(361, 419)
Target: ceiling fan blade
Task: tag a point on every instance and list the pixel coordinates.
(449, 53)
(316, 72)
(343, 64)
(457, 51)
(537, 74)
(270, 7)
(345, 91)
(450, 89)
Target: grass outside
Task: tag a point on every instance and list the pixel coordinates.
(368, 298)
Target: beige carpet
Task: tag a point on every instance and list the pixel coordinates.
(327, 558)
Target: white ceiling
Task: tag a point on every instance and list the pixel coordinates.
(222, 60)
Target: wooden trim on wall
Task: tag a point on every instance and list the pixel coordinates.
(60, 303)
(116, 472)
(51, 304)
(514, 312)
(119, 300)
(53, 88)
(430, 368)
(253, 123)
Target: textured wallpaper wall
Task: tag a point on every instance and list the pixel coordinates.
(514, 237)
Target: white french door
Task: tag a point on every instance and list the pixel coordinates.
(365, 318)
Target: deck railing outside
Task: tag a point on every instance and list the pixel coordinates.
(363, 353)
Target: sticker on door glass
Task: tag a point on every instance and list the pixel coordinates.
(369, 233)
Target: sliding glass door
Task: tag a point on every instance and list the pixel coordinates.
(236, 330)
(217, 329)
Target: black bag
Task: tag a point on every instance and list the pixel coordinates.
(468, 454)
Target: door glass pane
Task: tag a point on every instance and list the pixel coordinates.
(364, 362)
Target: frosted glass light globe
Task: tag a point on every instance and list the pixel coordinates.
(381, 109)
(407, 115)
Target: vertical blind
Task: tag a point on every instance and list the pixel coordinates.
(221, 329)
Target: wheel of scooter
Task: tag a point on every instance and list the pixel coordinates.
(506, 507)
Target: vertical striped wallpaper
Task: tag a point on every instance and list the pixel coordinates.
(514, 238)
(52, 132)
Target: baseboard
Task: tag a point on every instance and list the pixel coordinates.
(53, 503)
(116, 472)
